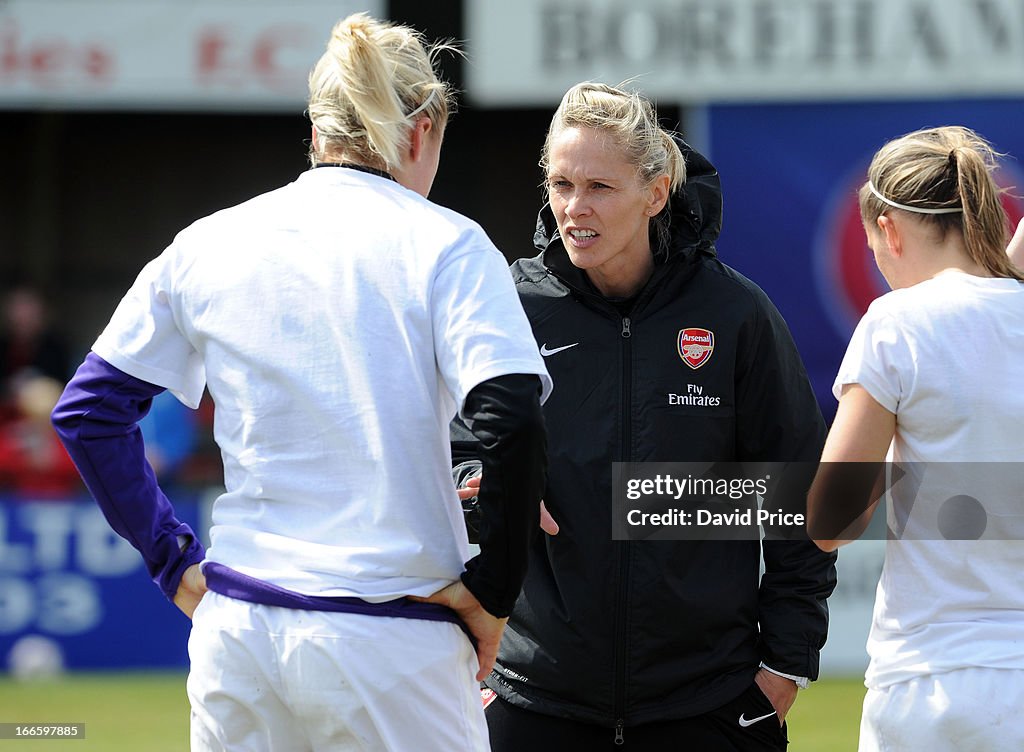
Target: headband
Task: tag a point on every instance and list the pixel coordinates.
(915, 209)
(426, 103)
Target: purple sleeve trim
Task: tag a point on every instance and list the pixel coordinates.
(96, 419)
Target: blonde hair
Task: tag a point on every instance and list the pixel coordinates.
(369, 86)
(631, 122)
(944, 168)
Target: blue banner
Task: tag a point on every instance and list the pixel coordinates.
(67, 577)
(790, 175)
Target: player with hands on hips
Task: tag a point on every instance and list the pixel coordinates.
(339, 322)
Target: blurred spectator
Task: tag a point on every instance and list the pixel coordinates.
(170, 431)
(33, 462)
(29, 345)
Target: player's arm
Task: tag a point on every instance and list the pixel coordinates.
(96, 419)
(504, 416)
(503, 422)
(1016, 247)
(850, 478)
(466, 472)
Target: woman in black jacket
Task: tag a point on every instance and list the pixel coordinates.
(651, 644)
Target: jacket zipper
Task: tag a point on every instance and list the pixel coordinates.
(619, 698)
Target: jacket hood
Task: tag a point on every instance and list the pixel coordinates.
(695, 212)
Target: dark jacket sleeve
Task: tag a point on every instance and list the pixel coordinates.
(502, 429)
(96, 419)
(779, 421)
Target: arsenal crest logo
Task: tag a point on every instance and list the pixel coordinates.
(695, 346)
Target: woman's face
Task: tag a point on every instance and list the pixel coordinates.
(602, 209)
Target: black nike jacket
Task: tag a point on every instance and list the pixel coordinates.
(621, 633)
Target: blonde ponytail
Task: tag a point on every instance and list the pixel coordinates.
(369, 86)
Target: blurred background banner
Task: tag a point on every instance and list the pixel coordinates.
(164, 54)
(67, 578)
(747, 49)
(790, 176)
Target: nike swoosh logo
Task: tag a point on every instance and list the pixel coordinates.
(744, 722)
(546, 352)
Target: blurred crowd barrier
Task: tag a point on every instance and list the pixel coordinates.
(74, 594)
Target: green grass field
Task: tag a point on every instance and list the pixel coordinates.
(826, 716)
(149, 713)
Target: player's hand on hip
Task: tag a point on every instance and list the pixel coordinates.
(487, 629)
(779, 690)
(190, 590)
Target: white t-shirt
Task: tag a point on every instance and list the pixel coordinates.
(946, 356)
(339, 322)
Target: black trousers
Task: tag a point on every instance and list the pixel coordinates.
(730, 728)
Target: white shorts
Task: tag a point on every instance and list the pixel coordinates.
(269, 679)
(969, 710)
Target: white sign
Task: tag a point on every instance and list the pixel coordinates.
(40, 543)
(164, 54)
(529, 52)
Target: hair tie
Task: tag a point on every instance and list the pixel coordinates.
(915, 209)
